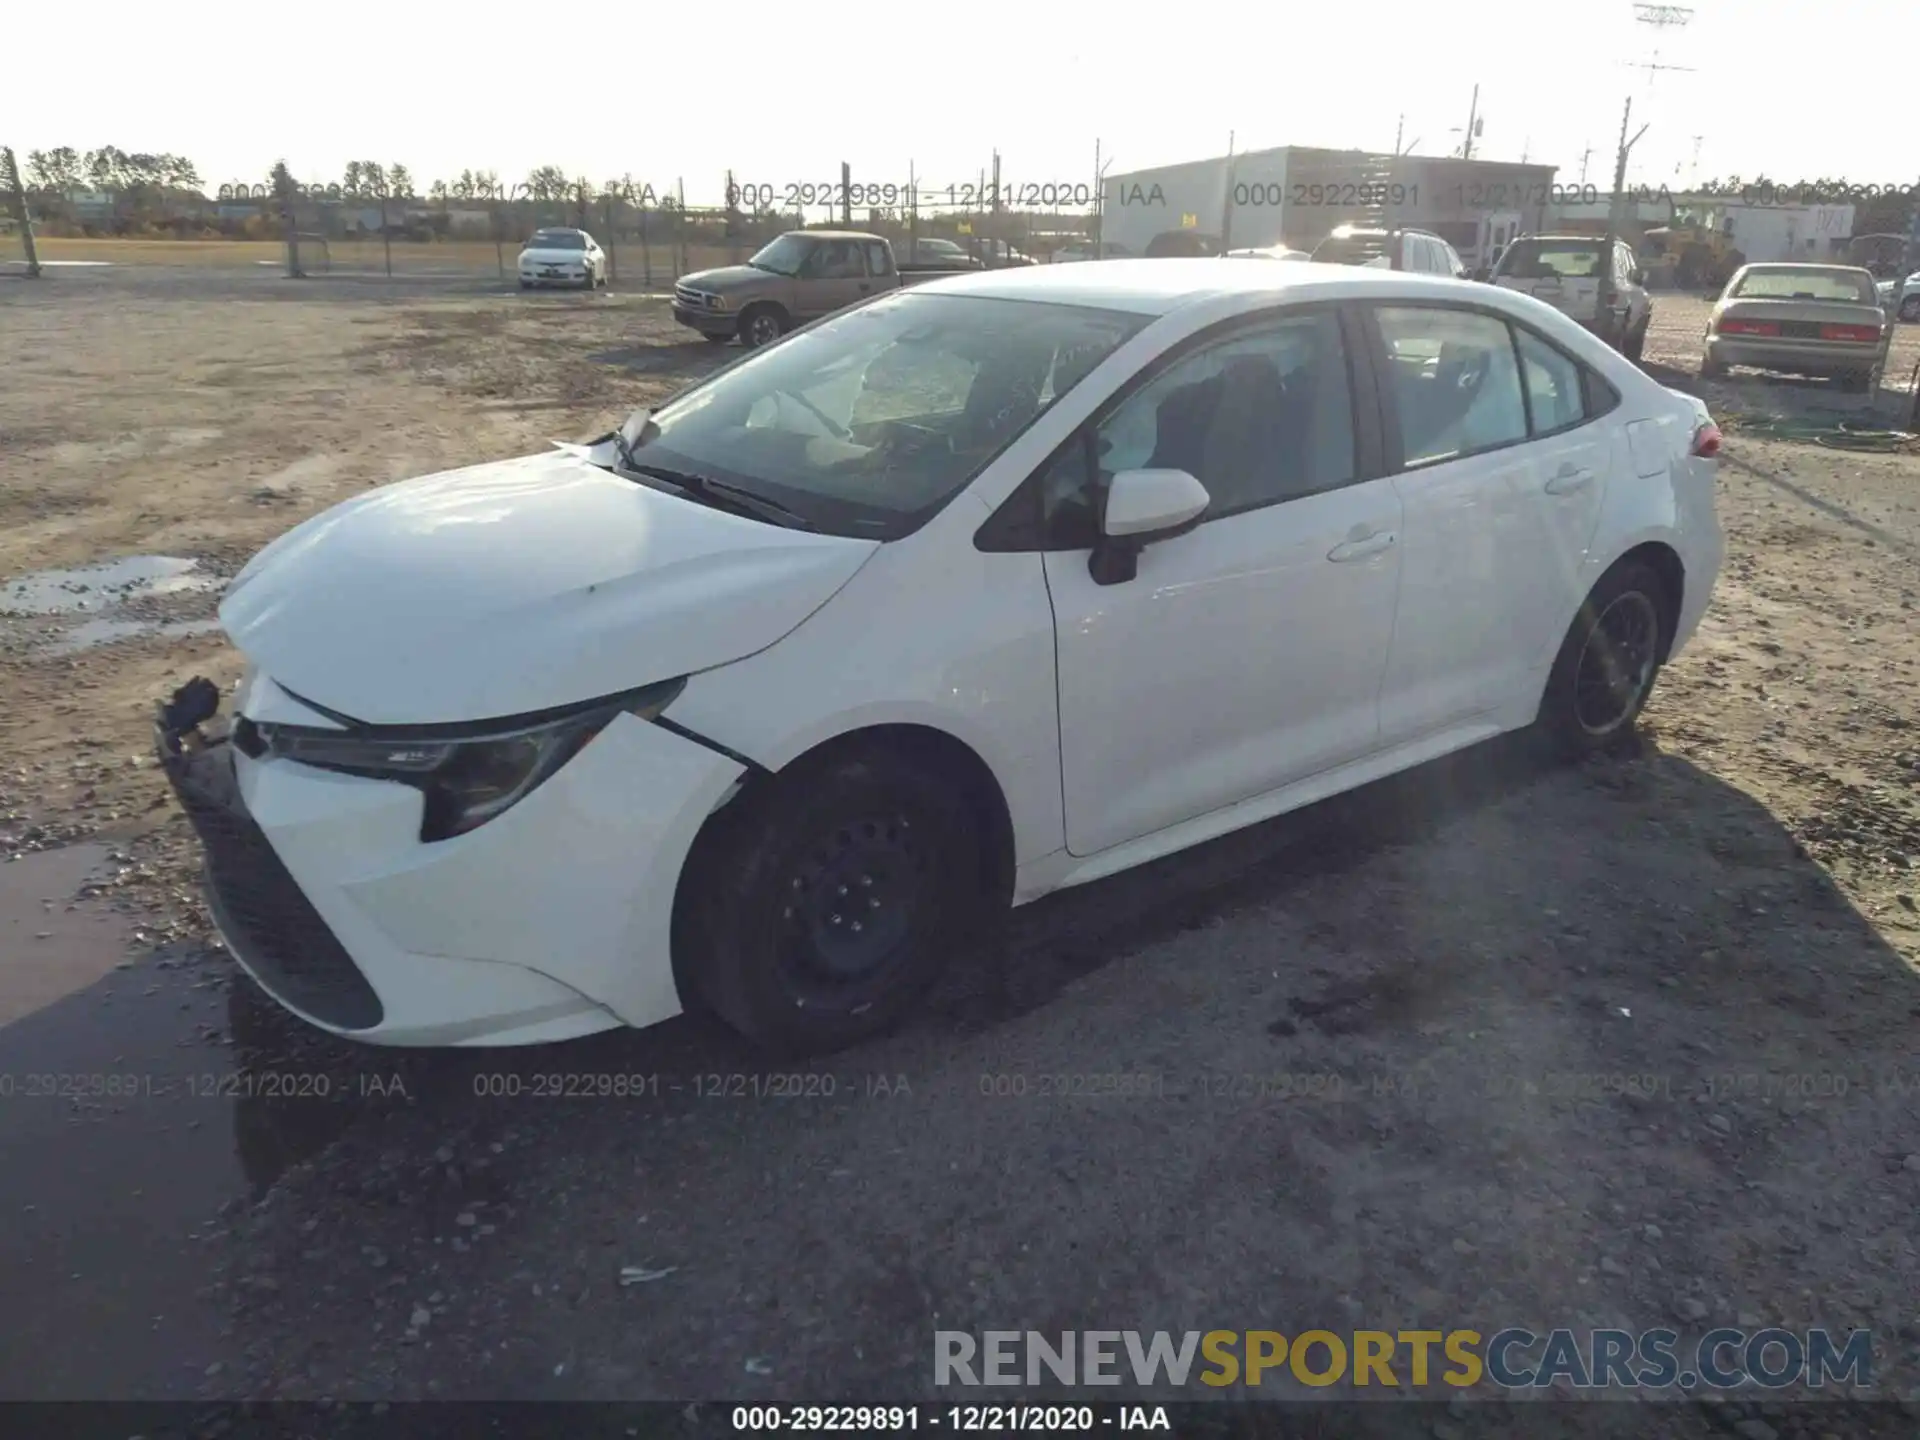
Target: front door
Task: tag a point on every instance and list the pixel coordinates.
(835, 277)
(1246, 653)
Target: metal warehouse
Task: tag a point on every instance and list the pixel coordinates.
(1295, 195)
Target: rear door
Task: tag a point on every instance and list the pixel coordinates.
(1500, 476)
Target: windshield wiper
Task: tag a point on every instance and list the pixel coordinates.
(722, 495)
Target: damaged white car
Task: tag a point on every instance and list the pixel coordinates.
(978, 590)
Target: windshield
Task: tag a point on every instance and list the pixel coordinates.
(1840, 285)
(557, 240)
(1550, 260)
(784, 255)
(941, 247)
(869, 423)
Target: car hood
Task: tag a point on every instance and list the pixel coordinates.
(554, 257)
(506, 588)
(728, 277)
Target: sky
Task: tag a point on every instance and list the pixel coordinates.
(783, 94)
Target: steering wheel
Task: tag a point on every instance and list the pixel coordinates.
(839, 431)
(931, 434)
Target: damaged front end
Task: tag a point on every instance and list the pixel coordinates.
(266, 920)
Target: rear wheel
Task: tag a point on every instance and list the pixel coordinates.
(1858, 382)
(823, 909)
(1711, 369)
(1637, 341)
(1910, 307)
(1607, 664)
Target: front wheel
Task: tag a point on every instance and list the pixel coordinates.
(1607, 664)
(829, 903)
(762, 325)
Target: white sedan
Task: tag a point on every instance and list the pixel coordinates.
(1909, 296)
(976, 591)
(562, 257)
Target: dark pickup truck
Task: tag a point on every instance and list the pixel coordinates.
(797, 277)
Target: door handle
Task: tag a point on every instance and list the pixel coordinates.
(1568, 479)
(1360, 549)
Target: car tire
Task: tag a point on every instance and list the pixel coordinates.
(780, 895)
(1608, 662)
(1711, 369)
(1910, 307)
(762, 325)
(1859, 382)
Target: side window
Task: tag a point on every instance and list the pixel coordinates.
(879, 262)
(1554, 386)
(1452, 380)
(1262, 417)
(837, 260)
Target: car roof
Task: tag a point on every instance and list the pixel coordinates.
(1159, 287)
(1577, 239)
(1796, 265)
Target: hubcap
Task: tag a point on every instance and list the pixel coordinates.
(1616, 663)
(850, 908)
(764, 329)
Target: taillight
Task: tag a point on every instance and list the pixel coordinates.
(1748, 327)
(1706, 441)
(1855, 334)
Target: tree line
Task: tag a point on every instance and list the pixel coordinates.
(57, 173)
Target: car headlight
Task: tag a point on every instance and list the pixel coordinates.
(716, 302)
(468, 776)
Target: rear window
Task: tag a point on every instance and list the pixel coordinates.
(1550, 260)
(557, 240)
(1353, 249)
(1805, 285)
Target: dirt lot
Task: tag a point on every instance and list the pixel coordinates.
(1491, 1044)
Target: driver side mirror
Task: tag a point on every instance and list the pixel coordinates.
(1141, 507)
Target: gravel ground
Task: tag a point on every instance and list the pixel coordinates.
(1490, 1044)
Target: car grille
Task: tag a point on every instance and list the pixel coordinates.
(692, 299)
(257, 904)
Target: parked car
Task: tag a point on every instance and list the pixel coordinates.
(1183, 244)
(1270, 252)
(998, 254)
(1420, 252)
(1909, 296)
(930, 252)
(562, 256)
(794, 278)
(980, 590)
(1564, 271)
(1819, 320)
(1085, 250)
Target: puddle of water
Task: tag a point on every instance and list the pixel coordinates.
(96, 587)
(94, 633)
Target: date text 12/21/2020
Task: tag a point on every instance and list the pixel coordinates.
(1008, 195)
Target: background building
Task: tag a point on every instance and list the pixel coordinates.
(1295, 195)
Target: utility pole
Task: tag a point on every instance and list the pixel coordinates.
(1226, 201)
(1473, 111)
(17, 197)
(1399, 130)
(846, 195)
(1603, 312)
(996, 182)
(1585, 155)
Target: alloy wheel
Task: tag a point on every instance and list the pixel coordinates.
(1616, 664)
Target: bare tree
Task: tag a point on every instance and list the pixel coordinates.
(285, 191)
(17, 196)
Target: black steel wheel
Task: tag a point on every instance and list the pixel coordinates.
(820, 909)
(1609, 660)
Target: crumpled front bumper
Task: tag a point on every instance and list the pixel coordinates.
(550, 922)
